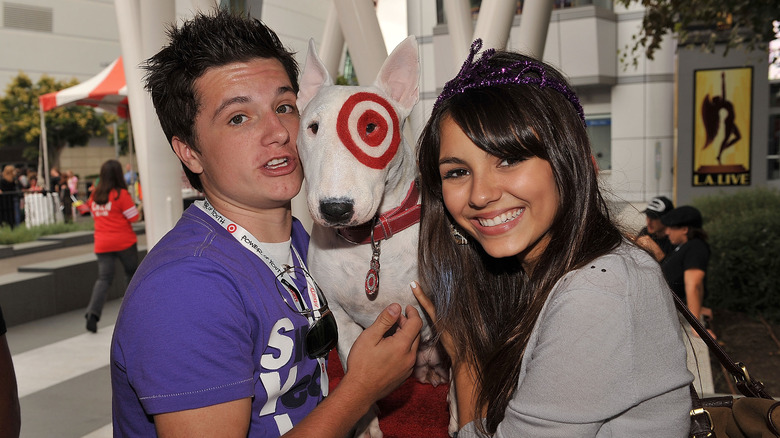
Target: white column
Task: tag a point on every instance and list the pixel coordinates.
(364, 38)
(534, 22)
(332, 43)
(44, 150)
(460, 27)
(142, 25)
(495, 22)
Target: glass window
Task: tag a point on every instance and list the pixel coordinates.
(557, 4)
(773, 169)
(600, 134)
(774, 94)
(237, 6)
(773, 148)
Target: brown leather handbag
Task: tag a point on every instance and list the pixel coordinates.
(756, 415)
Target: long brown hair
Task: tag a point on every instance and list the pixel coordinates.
(490, 305)
(111, 178)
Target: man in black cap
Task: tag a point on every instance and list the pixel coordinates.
(653, 236)
(686, 266)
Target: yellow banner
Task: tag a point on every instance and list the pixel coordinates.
(721, 128)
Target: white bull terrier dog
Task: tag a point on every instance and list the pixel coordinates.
(363, 198)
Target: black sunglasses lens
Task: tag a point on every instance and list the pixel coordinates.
(322, 336)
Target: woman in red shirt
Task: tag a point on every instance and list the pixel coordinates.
(113, 210)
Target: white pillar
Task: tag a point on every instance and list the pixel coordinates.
(534, 22)
(332, 43)
(142, 25)
(495, 22)
(44, 150)
(364, 38)
(460, 27)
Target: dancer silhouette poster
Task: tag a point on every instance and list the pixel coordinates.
(721, 134)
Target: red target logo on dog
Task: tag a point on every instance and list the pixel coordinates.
(368, 127)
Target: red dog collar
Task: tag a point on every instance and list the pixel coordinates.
(387, 224)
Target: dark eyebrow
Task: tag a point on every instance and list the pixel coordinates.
(285, 89)
(227, 103)
(450, 160)
(244, 99)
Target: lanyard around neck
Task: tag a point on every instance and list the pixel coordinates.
(255, 246)
(248, 241)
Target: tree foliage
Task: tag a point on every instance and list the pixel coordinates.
(123, 130)
(703, 23)
(20, 122)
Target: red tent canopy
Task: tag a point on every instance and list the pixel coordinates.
(106, 90)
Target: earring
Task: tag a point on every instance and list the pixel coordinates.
(457, 236)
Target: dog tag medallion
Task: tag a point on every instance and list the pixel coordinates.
(372, 278)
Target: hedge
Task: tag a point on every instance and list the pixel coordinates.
(744, 236)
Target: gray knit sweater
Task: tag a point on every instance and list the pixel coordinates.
(605, 359)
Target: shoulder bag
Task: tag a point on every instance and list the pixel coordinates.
(756, 415)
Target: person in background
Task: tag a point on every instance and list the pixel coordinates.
(215, 336)
(10, 413)
(685, 267)
(23, 179)
(113, 212)
(556, 325)
(653, 236)
(73, 183)
(10, 199)
(34, 187)
(66, 201)
(54, 180)
(130, 175)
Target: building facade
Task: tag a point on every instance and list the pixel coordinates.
(633, 111)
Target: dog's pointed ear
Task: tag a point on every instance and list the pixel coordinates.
(399, 76)
(314, 76)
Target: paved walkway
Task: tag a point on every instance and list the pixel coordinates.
(62, 370)
(9, 265)
(63, 375)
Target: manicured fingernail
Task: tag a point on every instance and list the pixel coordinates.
(413, 284)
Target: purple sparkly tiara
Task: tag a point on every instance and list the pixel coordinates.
(480, 74)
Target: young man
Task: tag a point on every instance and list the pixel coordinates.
(653, 237)
(208, 342)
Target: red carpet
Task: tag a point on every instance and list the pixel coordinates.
(414, 410)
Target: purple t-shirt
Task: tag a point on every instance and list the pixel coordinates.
(202, 323)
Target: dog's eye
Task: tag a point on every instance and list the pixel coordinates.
(314, 127)
(371, 127)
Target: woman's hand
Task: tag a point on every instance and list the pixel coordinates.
(427, 305)
(463, 371)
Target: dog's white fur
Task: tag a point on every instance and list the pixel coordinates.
(333, 174)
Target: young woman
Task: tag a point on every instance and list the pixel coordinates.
(685, 268)
(555, 324)
(113, 210)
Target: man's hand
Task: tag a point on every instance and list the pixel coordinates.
(377, 364)
(382, 363)
(649, 244)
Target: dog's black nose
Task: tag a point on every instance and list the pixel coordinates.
(337, 211)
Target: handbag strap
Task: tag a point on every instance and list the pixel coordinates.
(746, 385)
(701, 421)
